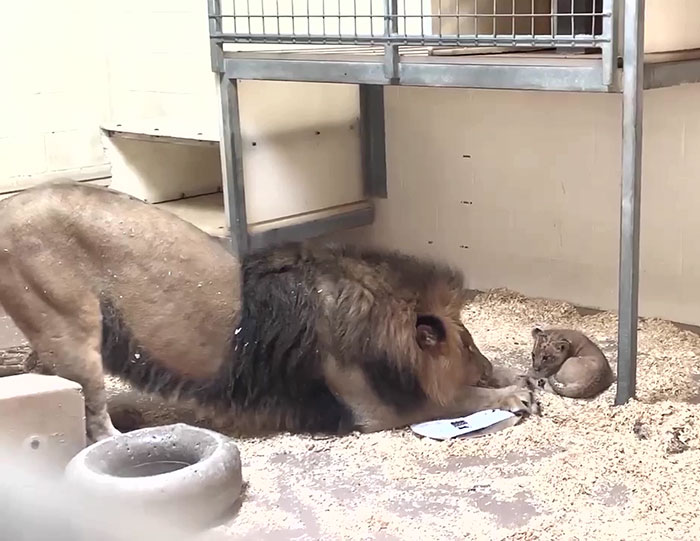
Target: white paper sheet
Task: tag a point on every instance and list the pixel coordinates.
(476, 424)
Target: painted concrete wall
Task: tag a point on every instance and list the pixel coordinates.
(161, 73)
(52, 100)
(521, 190)
(671, 25)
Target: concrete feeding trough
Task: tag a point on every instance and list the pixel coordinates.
(188, 474)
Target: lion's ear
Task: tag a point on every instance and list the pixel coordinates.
(430, 331)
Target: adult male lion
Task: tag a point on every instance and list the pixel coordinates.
(294, 338)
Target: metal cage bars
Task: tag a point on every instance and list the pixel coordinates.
(372, 111)
(408, 22)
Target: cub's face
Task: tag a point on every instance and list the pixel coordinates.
(549, 352)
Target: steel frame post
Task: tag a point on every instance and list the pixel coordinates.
(632, 113)
(231, 150)
(373, 141)
(232, 166)
(391, 50)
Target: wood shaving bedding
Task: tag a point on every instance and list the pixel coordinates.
(584, 470)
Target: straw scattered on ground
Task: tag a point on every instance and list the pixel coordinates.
(584, 470)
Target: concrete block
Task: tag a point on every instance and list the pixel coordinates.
(42, 418)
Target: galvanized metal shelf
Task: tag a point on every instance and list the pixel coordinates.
(208, 214)
(391, 43)
(542, 70)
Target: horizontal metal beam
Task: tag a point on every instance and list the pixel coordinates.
(493, 76)
(169, 139)
(510, 77)
(452, 40)
(665, 74)
(311, 225)
(312, 71)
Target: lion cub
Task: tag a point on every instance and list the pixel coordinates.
(570, 362)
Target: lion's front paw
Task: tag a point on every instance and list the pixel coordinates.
(524, 381)
(503, 377)
(520, 400)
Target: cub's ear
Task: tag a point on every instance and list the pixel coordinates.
(537, 332)
(430, 331)
(563, 344)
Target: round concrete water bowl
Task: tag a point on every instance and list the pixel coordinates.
(190, 474)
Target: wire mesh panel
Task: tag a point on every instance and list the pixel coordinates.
(579, 23)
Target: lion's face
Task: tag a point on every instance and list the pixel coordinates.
(451, 358)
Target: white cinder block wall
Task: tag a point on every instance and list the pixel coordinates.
(157, 53)
(521, 190)
(53, 93)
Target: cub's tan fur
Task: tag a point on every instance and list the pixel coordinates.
(570, 363)
(295, 338)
